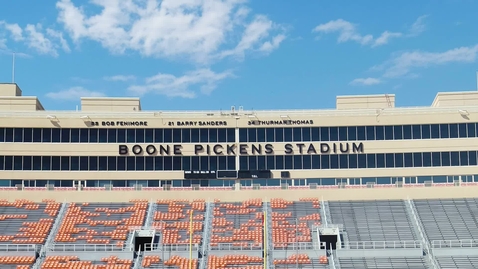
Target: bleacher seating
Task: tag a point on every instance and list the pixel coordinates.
(235, 261)
(73, 262)
(155, 262)
(458, 262)
(16, 262)
(373, 220)
(449, 219)
(383, 263)
(292, 221)
(303, 261)
(26, 222)
(100, 223)
(239, 224)
(237, 233)
(173, 220)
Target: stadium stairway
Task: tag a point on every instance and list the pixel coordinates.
(148, 222)
(417, 225)
(51, 236)
(269, 238)
(153, 207)
(326, 220)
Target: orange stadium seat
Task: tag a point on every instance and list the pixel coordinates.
(181, 262)
(288, 227)
(34, 220)
(150, 260)
(173, 219)
(229, 261)
(239, 224)
(113, 228)
(17, 260)
(295, 259)
(73, 262)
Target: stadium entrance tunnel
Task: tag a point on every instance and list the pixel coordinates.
(142, 243)
(328, 238)
(329, 242)
(143, 240)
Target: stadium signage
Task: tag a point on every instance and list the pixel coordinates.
(197, 123)
(145, 123)
(118, 123)
(280, 122)
(242, 149)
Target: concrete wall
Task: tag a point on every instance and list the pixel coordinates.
(229, 196)
(163, 120)
(444, 99)
(107, 104)
(102, 110)
(365, 102)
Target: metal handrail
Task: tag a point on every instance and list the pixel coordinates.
(424, 237)
(462, 243)
(384, 244)
(86, 247)
(17, 247)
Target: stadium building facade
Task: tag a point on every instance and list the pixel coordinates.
(111, 141)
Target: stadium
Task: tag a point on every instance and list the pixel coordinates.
(364, 185)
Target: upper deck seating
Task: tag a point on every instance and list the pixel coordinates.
(175, 262)
(235, 261)
(239, 223)
(373, 220)
(292, 221)
(16, 262)
(303, 260)
(449, 219)
(100, 223)
(26, 222)
(173, 219)
(457, 262)
(383, 263)
(73, 262)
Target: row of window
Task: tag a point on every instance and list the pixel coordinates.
(244, 182)
(214, 163)
(354, 161)
(121, 163)
(226, 135)
(76, 135)
(360, 133)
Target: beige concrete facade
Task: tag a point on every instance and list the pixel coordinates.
(17, 111)
(228, 196)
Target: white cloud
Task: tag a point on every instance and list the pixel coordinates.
(14, 29)
(73, 93)
(365, 81)
(198, 30)
(272, 45)
(348, 32)
(59, 37)
(120, 78)
(46, 41)
(170, 85)
(404, 63)
(3, 44)
(418, 26)
(384, 38)
(37, 40)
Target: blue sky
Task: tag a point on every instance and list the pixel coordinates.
(213, 54)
